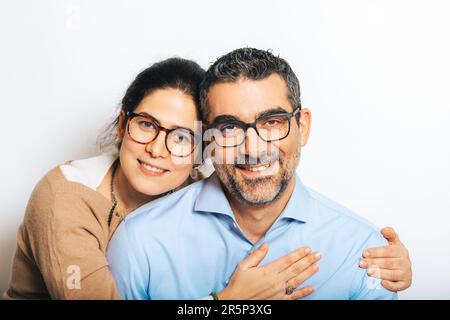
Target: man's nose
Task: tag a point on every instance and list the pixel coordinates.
(253, 144)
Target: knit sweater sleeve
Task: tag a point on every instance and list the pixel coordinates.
(64, 237)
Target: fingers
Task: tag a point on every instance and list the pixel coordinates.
(390, 269)
(300, 293)
(299, 268)
(386, 274)
(390, 235)
(255, 258)
(301, 277)
(390, 251)
(395, 286)
(385, 263)
(286, 261)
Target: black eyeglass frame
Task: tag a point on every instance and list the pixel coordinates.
(246, 126)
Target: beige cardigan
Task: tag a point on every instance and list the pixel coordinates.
(62, 241)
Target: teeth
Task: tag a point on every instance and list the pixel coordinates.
(259, 168)
(150, 168)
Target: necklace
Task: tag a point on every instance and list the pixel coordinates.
(113, 193)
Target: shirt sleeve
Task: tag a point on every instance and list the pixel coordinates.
(68, 245)
(129, 268)
(365, 287)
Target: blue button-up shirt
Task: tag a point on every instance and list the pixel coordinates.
(187, 244)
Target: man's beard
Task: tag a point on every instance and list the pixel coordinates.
(258, 192)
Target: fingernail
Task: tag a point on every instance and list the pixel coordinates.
(307, 250)
(371, 272)
(366, 254)
(317, 255)
(363, 264)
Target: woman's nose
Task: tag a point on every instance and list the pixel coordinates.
(157, 148)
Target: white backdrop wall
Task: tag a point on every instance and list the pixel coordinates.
(374, 73)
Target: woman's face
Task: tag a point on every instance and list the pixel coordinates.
(150, 168)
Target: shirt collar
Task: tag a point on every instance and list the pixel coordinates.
(298, 206)
(89, 172)
(212, 199)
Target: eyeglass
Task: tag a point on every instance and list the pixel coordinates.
(272, 127)
(144, 129)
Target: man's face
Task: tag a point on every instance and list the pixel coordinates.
(256, 172)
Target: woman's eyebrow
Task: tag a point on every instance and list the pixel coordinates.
(145, 114)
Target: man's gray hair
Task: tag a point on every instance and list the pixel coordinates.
(249, 63)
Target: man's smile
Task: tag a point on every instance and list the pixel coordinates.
(258, 170)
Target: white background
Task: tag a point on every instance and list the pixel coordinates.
(374, 73)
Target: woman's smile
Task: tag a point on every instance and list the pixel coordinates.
(151, 169)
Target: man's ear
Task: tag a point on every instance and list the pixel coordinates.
(120, 125)
(305, 125)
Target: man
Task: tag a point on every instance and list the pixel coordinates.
(189, 243)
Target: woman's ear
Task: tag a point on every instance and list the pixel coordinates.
(120, 126)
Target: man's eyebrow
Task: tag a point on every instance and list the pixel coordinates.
(275, 110)
(230, 118)
(224, 118)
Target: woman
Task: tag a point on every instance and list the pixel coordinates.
(74, 210)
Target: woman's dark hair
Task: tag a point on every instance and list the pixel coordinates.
(173, 73)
